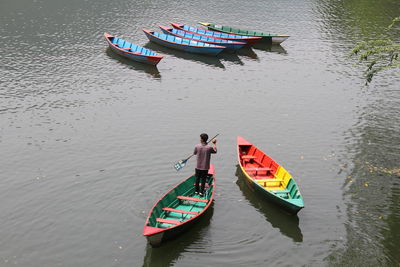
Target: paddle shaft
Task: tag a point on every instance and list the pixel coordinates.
(193, 154)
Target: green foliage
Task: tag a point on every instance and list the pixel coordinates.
(378, 54)
(395, 20)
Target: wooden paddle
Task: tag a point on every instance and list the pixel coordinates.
(182, 163)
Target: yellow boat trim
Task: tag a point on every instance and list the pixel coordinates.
(204, 23)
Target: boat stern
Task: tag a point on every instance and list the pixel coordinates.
(295, 205)
(211, 171)
(154, 235)
(166, 30)
(107, 35)
(155, 240)
(176, 25)
(279, 38)
(242, 142)
(205, 24)
(147, 32)
(153, 60)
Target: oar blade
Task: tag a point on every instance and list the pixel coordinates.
(180, 164)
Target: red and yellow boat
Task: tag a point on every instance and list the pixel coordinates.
(269, 178)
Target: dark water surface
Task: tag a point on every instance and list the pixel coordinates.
(88, 139)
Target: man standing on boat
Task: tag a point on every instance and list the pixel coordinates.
(203, 152)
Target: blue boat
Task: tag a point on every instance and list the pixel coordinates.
(229, 45)
(218, 35)
(183, 44)
(132, 51)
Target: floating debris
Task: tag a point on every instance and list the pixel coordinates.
(382, 170)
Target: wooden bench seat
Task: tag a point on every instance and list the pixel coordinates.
(269, 182)
(248, 157)
(274, 188)
(167, 221)
(192, 199)
(180, 211)
(260, 177)
(258, 169)
(280, 191)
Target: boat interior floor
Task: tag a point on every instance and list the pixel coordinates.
(257, 171)
(264, 177)
(185, 210)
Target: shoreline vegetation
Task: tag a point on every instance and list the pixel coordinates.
(379, 54)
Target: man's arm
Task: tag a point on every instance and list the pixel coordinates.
(214, 141)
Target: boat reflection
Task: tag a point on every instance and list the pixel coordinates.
(287, 224)
(208, 60)
(149, 69)
(170, 251)
(247, 52)
(231, 57)
(274, 48)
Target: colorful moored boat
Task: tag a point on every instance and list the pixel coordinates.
(183, 44)
(178, 210)
(228, 44)
(218, 35)
(132, 51)
(270, 37)
(267, 177)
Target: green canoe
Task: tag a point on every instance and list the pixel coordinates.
(270, 37)
(178, 210)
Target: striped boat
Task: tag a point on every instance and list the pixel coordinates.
(218, 35)
(268, 177)
(178, 210)
(132, 51)
(270, 37)
(183, 44)
(228, 44)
